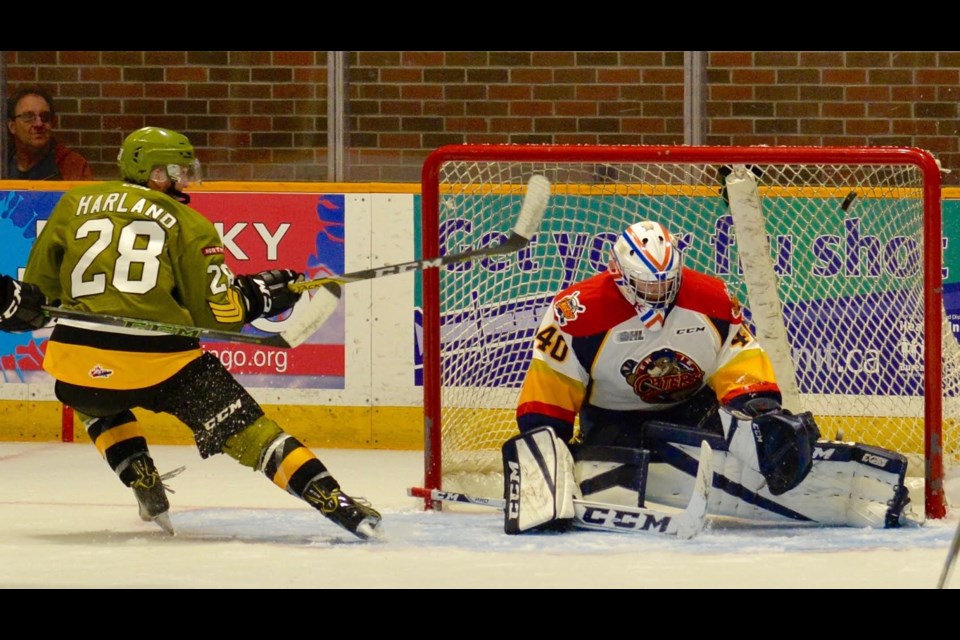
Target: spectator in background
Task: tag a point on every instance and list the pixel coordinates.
(34, 153)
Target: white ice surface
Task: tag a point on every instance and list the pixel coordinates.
(67, 522)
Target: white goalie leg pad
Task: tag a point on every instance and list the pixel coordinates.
(539, 483)
(614, 475)
(849, 484)
(674, 455)
(856, 485)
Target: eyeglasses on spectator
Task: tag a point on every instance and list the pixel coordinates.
(31, 116)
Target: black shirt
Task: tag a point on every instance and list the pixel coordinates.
(46, 169)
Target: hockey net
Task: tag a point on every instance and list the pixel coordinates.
(835, 254)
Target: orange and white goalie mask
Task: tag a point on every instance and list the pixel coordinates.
(647, 266)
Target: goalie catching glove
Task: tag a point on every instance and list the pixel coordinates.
(539, 484)
(21, 305)
(776, 443)
(268, 294)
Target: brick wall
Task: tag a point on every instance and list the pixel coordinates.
(254, 115)
(262, 115)
(405, 102)
(898, 98)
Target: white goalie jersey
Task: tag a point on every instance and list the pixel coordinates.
(593, 354)
(592, 349)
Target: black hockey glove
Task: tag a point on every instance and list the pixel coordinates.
(266, 294)
(759, 405)
(21, 305)
(785, 444)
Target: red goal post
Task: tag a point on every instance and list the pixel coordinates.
(835, 253)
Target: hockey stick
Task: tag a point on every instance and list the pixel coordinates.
(302, 324)
(318, 310)
(951, 559)
(600, 516)
(528, 221)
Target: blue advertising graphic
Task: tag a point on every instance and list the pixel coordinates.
(260, 231)
(832, 355)
(21, 354)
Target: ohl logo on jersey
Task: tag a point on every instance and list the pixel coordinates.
(568, 308)
(663, 376)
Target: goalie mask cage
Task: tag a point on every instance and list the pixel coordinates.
(835, 254)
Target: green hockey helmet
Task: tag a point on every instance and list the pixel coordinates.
(150, 147)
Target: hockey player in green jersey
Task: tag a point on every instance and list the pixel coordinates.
(134, 248)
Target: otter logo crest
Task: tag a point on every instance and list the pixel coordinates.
(665, 376)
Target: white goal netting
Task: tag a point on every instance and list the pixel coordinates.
(832, 281)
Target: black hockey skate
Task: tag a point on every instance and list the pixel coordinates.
(353, 514)
(151, 493)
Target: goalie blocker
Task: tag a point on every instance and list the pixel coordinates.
(768, 468)
(539, 484)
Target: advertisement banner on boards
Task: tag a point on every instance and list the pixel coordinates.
(260, 231)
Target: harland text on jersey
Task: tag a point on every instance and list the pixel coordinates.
(114, 202)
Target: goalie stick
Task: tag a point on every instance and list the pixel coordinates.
(742, 195)
(528, 221)
(599, 516)
(950, 560)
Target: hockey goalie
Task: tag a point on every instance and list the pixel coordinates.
(654, 358)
